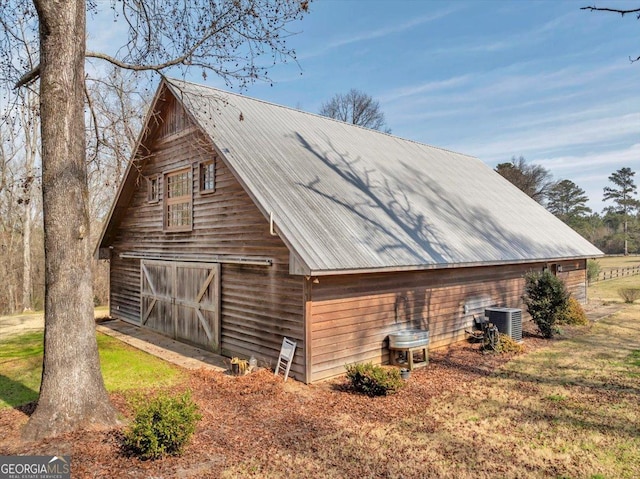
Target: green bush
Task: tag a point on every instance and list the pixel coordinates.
(374, 380)
(546, 298)
(574, 313)
(163, 426)
(629, 295)
(593, 270)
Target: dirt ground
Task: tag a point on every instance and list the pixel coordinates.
(247, 416)
(21, 323)
(30, 322)
(259, 418)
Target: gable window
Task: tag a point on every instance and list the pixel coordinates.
(207, 176)
(177, 200)
(153, 186)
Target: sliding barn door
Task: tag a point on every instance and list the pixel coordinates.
(182, 300)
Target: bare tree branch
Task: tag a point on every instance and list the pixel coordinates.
(622, 13)
(181, 60)
(28, 78)
(94, 121)
(614, 10)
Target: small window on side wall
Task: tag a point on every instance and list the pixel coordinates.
(153, 186)
(207, 176)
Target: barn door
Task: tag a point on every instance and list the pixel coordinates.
(182, 300)
(197, 297)
(156, 296)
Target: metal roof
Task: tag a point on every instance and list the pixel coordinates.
(347, 198)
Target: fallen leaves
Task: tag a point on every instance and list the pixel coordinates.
(258, 426)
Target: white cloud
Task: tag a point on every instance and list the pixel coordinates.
(428, 87)
(586, 164)
(377, 33)
(519, 84)
(515, 41)
(556, 137)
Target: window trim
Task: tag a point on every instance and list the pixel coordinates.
(201, 178)
(150, 190)
(177, 200)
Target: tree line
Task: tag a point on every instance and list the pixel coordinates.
(616, 230)
(115, 110)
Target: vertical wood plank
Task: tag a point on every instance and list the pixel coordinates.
(308, 314)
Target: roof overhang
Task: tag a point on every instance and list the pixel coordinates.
(414, 268)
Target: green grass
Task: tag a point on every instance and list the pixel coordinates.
(634, 359)
(556, 397)
(632, 362)
(123, 368)
(20, 369)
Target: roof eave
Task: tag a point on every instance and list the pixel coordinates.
(427, 267)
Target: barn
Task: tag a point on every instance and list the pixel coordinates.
(239, 222)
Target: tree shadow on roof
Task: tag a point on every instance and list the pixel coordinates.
(431, 225)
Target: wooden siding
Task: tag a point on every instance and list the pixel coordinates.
(259, 304)
(350, 317)
(124, 302)
(574, 275)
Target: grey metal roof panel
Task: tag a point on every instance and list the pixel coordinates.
(349, 198)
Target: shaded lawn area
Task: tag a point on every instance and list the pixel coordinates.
(123, 368)
(568, 408)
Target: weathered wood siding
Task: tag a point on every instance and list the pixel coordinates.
(574, 275)
(259, 304)
(124, 288)
(351, 316)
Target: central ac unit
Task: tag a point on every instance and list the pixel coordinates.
(507, 320)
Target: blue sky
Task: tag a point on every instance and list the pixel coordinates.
(493, 79)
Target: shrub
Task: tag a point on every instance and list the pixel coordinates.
(574, 313)
(593, 270)
(629, 295)
(163, 426)
(546, 298)
(508, 345)
(374, 380)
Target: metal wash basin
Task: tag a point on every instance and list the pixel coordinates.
(410, 338)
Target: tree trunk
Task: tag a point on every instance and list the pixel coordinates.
(72, 392)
